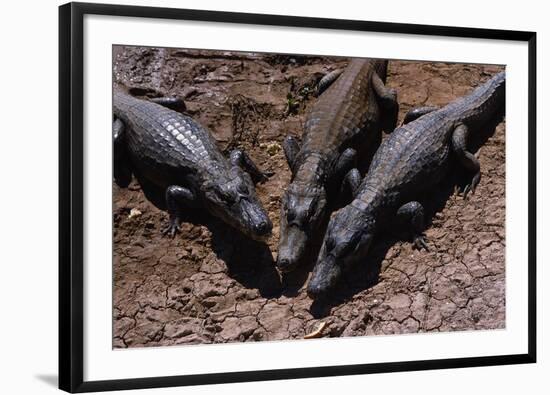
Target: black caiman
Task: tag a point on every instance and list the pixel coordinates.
(347, 118)
(171, 151)
(414, 158)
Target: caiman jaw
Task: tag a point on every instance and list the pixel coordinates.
(245, 216)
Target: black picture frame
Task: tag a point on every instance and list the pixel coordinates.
(71, 224)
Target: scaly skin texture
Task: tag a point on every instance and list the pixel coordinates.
(170, 151)
(209, 287)
(413, 159)
(346, 119)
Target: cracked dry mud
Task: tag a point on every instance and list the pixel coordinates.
(211, 285)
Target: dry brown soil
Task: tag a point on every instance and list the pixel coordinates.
(211, 285)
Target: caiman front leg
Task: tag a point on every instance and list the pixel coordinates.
(291, 147)
(240, 158)
(327, 81)
(466, 158)
(388, 102)
(121, 162)
(176, 198)
(412, 214)
(346, 171)
(346, 161)
(415, 113)
(351, 182)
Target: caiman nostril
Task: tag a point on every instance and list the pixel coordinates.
(285, 265)
(262, 227)
(282, 263)
(314, 291)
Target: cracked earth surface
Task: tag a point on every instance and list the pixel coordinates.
(211, 285)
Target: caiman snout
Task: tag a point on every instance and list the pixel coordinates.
(285, 265)
(291, 248)
(325, 276)
(349, 235)
(287, 262)
(236, 204)
(262, 228)
(316, 291)
(255, 221)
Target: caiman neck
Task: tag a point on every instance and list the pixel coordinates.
(312, 170)
(368, 203)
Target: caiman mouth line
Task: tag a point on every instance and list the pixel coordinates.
(246, 216)
(250, 231)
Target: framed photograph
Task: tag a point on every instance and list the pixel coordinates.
(253, 197)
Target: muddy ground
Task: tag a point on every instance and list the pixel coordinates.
(211, 285)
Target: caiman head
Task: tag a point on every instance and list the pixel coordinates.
(302, 212)
(349, 235)
(232, 198)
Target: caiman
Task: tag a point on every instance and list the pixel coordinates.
(413, 159)
(347, 118)
(169, 150)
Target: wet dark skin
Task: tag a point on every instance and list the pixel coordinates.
(174, 153)
(346, 120)
(411, 160)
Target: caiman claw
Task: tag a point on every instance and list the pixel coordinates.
(171, 230)
(420, 243)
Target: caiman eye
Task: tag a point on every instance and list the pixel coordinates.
(224, 196)
(329, 244)
(312, 207)
(360, 243)
(284, 202)
(355, 242)
(291, 215)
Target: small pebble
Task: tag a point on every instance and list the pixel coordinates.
(134, 213)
